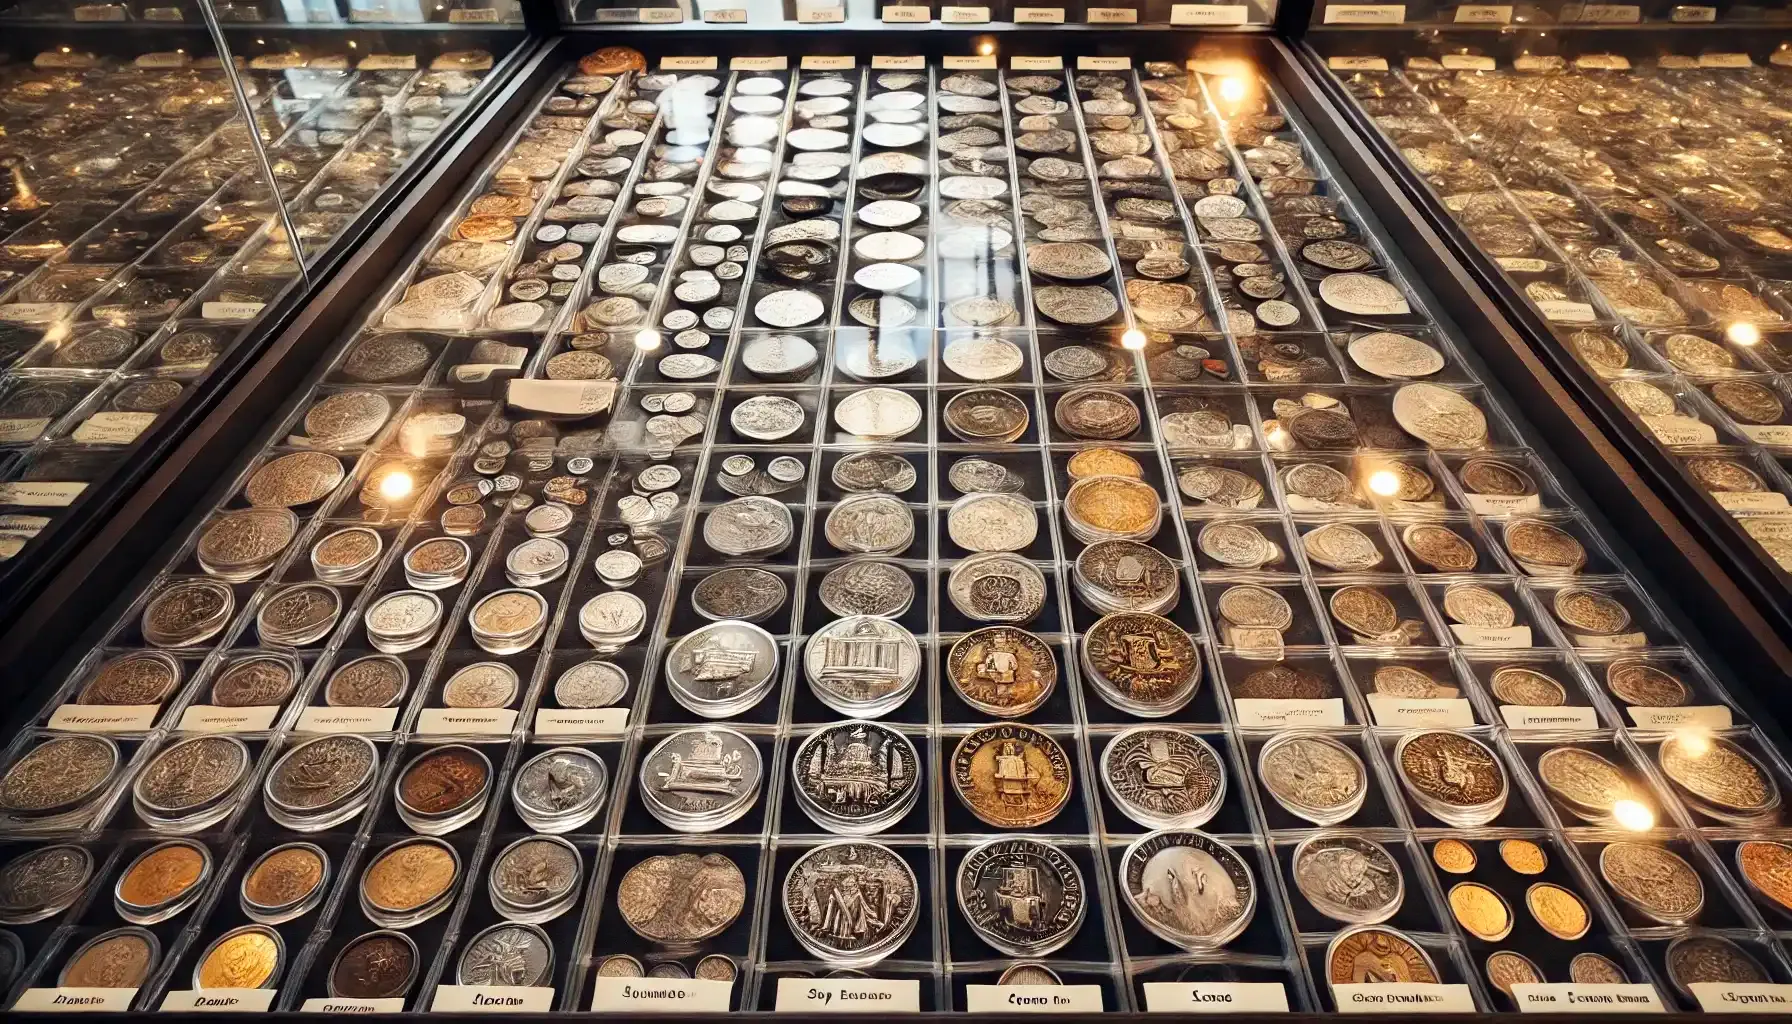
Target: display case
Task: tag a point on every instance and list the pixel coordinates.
(927, 519)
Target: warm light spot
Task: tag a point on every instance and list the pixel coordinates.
(1231, 88)
(1385, 482)
(1633, 815)
(1133, 338)
(647, 340)
(1693, 744)
(1743, 333)
(397, 484)
(1276, 434)
(986, 48)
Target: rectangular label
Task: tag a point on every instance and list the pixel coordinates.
(1742, 997)
(1522, 264)
(213, 1000)
(964, 16)
(163, 14)
(1357, 63)
(1751, 501)
(1569, 997)
(474, 16)
(23, 430)
(1481, 636)
(1208, 14)
(104, 717)
(899, 63)
(1532, 719)
(101, 12)
(1770, 433)
(1483, 14)
(1503, 504)
(75, 1000)
(1421, 712)
(1104, 63)
(907, 15)
(468, 721)
(320, 719)
(1725, 60)
(580, 722)
(618, 15)
(820, 15)
(207, 718)
(231, 310)
(1692, 15)
(1215, 997)
(758, 63)
(726, 16)
(1616, 640)
(1032, 999)
(352, 1006)
(389, 62)
(1467, 62)
(661, 15)
(1704, 716)
(1538, 62)
(1039, 15)
(171, 59)
(567, 397)
(660, 995)
(972, 63)
(1257, 712)
(1676, 429)
(1036, 63)
(41, 493)
(1603, 61)
(1112, 16)
(688, 63)
(1403, 997)
(1365, 14)
(849, 995)
(1609, 14)
(1563, 311)
(815, 62)
(492, 999)
(113, 427)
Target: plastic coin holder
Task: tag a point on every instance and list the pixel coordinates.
(409, 916)
(187, 895)
(332, 810)
(309, 900)
(733, 652)
(551, 904)
(459, 804)
(722, 766)
(274, 971)
(854, 776)
(201, 809)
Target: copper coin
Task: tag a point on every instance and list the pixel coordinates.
(443, 780)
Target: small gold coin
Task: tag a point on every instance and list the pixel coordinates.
(1481, 911)
(1103, 462)
(1560, 912)
(1454, 856)
(1523, 856)
(247, 959)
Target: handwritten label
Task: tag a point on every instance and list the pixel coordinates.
(1725, 60)
(1526, 718)
(113, 427)
(1032, 998)
(319, 719)
(661, 995)
(661, 15)
(1039, 15)
(75, 1000)
(229, 1000)
(1484, 14)
(1609, 14)
(971, 63)
(1751, 501)
(1482, 636)
(41, 493)
(1365, 14)
(830, 14)
(848, 995)
(1770, 433)
(1603, 61)
(580, 722)
(1403, 997)
(1357, 63)
(1616, 640)
(1421, 712)
(101, 12)
(464, 721)
(22, 430)
(1568, 997)
(1523, 264)
(964, 16)
(1692, 15)
(492, 999)
(1037, 63)
(1112, 16)
(1258, 712)
(814, 62)
(389, 62)
(688, 63)
(1104, 63)
(757, 64)
(1742, 997)
(726, 16)
(1467, 61)
(104, 717)
(1208, 14)
(898, 63)
(1563, 311)
(1215, 997)
(906, 15)
(207, 718)
(338, 1005)
(1703, 716)
(1676, 429)
(231, 310)
(1503, 504)
(474, 16)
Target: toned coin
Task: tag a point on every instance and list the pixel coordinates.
(836, 874)
(1365, 611)
(443, 780)
(1313, 775)
(191, 774)
(162, 874)
(410, 875)
(1586, 781)
(1654, 880)
(42, 882)
(1719, 773)
(1188, 888)
(255, 681)
(1475, 605)
(681, 899)
(1057, 898)
(1767, 868)
(747, 594)
(867, 587)
(1594, 969)
(1163, 777)
(122, 958)
(1692, 959)
(321, 773)
(1348, 878)
(1103, 462)
(1341, 546)
(985, 415)
(1374, 955)
(376, 681)
(1506, 969)
(1559, 911)
(1451, 768)
(1454, 856)
(1011, 776)
(1480, 911)
(1439, 548)
(140, 677)
(1144, 661)
(1096, 413)
(298, 478)
(1590, 612)
(248, 957)
(285, 876)
(378, 965)
(1397, 680)
(1118, 507)
(1543, 548)
(1491, 476)
(58, 774)
(1002, 671)
(1282, 682)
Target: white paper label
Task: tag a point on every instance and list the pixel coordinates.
(213, 1000)
(907, 15)
(1039, 15)
(75, 1000)
(1403, 997)
(820, 15)
(1032, 999)
(1208, 14)
(1421, 712)
(17, 523)
(1483, 14)
(1725, 60)
(1751, 501)
(1531, 719)
(1482, 636)
(1467, 62)
(1357, 63)
(1771, 433)
(964, 16)
(580, 722)
(1692, 15)
(474, 16)
(1563, 311)
(389, 62)
(752, 64)
(41, 493)
(1037, 63)
(1523, 264)
(1676, 429)
(1112, 16)
(688, 63)
(1257, 712)
(1742, 997)
(726, 16)
(1503, 504)
(207, 718)
(661, 995)
(466, 721)
(319, 719)
(1104, 63)
(104, 717)
(1215, 997)
(814, 62)
(352, 1006)
(113, 427)
(1604, 61)
(23, 430)
(1703, 716)
(1617, 640)
(231, 310)
(849, 995)
(973, 63)
(1568, 997)
(898, 63)
(661, 15)
(492, 999)
(1365, 14)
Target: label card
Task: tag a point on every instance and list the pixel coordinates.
(206, 718)
(580, 722)
(353, 1006)
(827, 15)
(1503, 504)
(907, 15)
(1215, 997)
(1403, 997)
(363, 720)
(492, 999)
(41, 493)
(104, 717)
(1468, 62)
(75, 1000)
(1568, 997)
(1703, 716)
(964, 16)
(1522, 264)
(586, 397)
(1618, 640)
(213, 1000)
(389, 62)
(1481, 636)
(466, 721)
(1421, 712)
(1604, 61)
(1751, 501)
(1036, 63)
(898, 63)
(1674, 428)
(1483, 14)
(1365, 14)
(971, 63)
(1104, 63)
(688, 63)
(22, 430)
(474, 16)
(1522, 718)
(1742, 997)
(1032, 999)
(1261, 713)
(661, 995)
(661, 15)
(1357, 63)
(1770, 433)
(848, 995)
(101, 12)
(726, 16)
(1725, 60)
(1039, 15)
(1692, 15)
(230, 310)
(1609, 14)
(1563, 311)
(1112, 16)
(113, 427)
(1209, 14)
(755, 64)
(813, 62)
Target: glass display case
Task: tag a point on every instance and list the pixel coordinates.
(930, 520)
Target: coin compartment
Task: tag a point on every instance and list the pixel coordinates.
(914, 618)
(1445, 952)
(738, 373)
(63, 947)
(629, 420)
(1027, 372)
(1747, 359)
(1482, 663)
(1599, 346)
(1267, 524)
(226, 807)
(65, 349)
(316, 695)
(686, 618)
(1415, 624)
(1225, 401)
(1262, 938)
(1645, 629)
(1025, 474)
(1387, 711)
(1702, 700)
(1746, 741)
(1701, 304)
(1231, 817)
(1655, 953)
(1054, 396)
(1739, 501)
(950, 619)
(189, 663)
(257, 817)
(66, 395)
(100, 913)
(614, 935)
(1056, 710)
(198, 707)
(1303, 631)
(637, 820)
(1376, 810)
(1415, 913)
(577, 820)
(1510, 590)
(1372, 528)
(829, 489)
(1726, 903)
(1073, 819)
(1529, 749)
(780, 940)
(1486, 561)
(821, 547)
(1249, 465)
(1548, 496)
(302, 568)
(481, 911)
(1729, 422)
(1289, 357)
(700, 554)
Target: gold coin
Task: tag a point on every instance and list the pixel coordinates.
(1481, 911)
(1103, 462)
(1560, 912)
(247, 959)
(1523, 856)
(1011, 776)
(409, 875)
(161, 874)
(485, 228)
(1454, 856)
(284, 877)
(1115, 506)
(1768, 867)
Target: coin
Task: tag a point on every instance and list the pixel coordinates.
(321, 773)
(1588, 783)
(162, 874)
(535, 874)
(1398, 680)
(1390, 355)
(847, 874)
(1543, 548)
(1348, 878)
(1453, 769)
(1439, 547)
(1341, 546)
(444, 780)
(1440, 417)
(1363, 295)
(1238, 545)
(867, 587)
(996, 587)
(1766, 867)
(409, 875)
(985, 415)
(1057, 901)
(375, 681)
(1693, 959)
(120, 958)
(1002, 671)
(856, 778)
(1594, 969)
(42, 882)
(1559, 911)
(246, 957)
(1076, 305)
(294, 479)
(1313, 776)
(681, 899)
(1365, 612)
(191, 774)
(1654, 880)
(1480, 911)
(874, 471)
(507, 954)
(284, 876)
(1125, 575)
(1454, 856)
(1142, 662)
(1475, 605)
(1375, 955)
(58, 774)
(748, 594)
(1590, 612)
(378, 965)
(753, 525)
(1719, 774)
(139, 677)
(878, 413)
(1011, 776)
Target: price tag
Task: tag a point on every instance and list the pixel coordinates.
(1466, 62)
(1692, 15)
(363, 720)
(113, 427)
(848, 995)
(492, 999)
(907, 15)
(466, 721)
(352, 1006)
(661, 15)
(812, 62)
(1616, 641)
(828, 15)
(1264, 713)
(1112, 16)
(213, 1000)
(1365, 14)
(964, 16)
(389, 62)
(1603, 61)
(1523, 718)
(1484, 14)
(972, 63)
(898, 63)
(1403, 997)
(1421, 712)
(1215, 997)
(208, 718)
(661, 995)
(231, 310)
(75, 1000)
(1036, 63)
(1104, 63)
(104, 717)
(758, 63)
(1357, 63)
(474, 16)
(1482, 636)
(688, 63)
(726, 16)
(170, 59)
(1770, 434)
(1702, 716)
(41, 493)
(1039, 15)
(580, 722)
(1751, 501)
(1610, 14)
(1742, 997)
(1568, 997)
(1523, 264)
(1677, 429)
(1208, 14)
(1725, 60)
(1032, 999)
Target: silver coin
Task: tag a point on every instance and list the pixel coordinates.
(779, 357)
(767, 418)
(789, 309)
(870, 524)
(747, 594)
(712, 774)
(721, 662)
(992, 522)
(874, 471)
(561, 782)
(507, 954)
(590, 684)
(971, 474)
(1349, 878)
(1188, 888)
(851, 903)
(534, 874)
(1039, 917)
(866, 586)
(996, 587)
(856, 778)
(1163, 777)
(862, 664)
(748, 526)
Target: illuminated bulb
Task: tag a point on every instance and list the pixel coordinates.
(1633, 815)
(986, 48)
(1133, 339)
(1384, 482)
(1743, 333)
(396, 484)
(1231, 89)
(647, 340)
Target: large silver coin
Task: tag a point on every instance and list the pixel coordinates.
(722, 661)
(1188, 888)
(789, 309)
(507, 954)
(1052, 902)
(878, 413)
(752, 525)
(746, 594)
(866, 586)
(874, 471)
(856, 778)
(779, 357)
(861, 660)
(871, 524)
(706, 777)
(1163, 777)
(1348, 878)
(851, 903)
(767, 418)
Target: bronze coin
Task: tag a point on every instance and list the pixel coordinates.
(379, 965)
(162, 874)
(1641, 684)
(255, 681)
(1283, 682)
(284, 876)
(443, 780)
(140, 677)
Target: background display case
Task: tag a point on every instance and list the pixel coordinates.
(949, 516)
